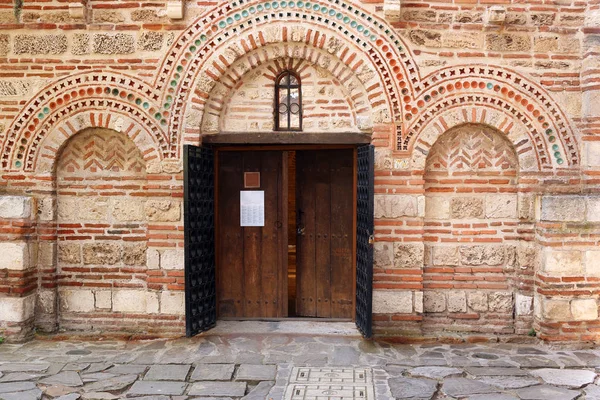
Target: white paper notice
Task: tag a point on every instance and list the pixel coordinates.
(252, 208)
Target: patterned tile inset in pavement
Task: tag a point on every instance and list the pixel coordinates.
(349, 383)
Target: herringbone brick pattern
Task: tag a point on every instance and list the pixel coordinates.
(101, 151)
(473, 149)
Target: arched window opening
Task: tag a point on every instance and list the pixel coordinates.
(288, 102)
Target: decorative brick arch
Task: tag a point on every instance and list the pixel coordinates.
(218, 38)
(119, 122)
(77, 102)
(472, 113)
(276, 57)
(493, 91)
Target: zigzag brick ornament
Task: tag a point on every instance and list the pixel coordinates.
(485, 199)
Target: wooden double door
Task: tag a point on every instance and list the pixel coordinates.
(315, 189)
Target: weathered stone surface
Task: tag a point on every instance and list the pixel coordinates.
(495, 371)
(412, 388)
(16, 387)
(130, 301)
(82, 209)
(4, 44)
(501, 206)
(14, 255)
(172, 259)
(114, 17)
(477, 301)
(69, 253)
(556, 310)
(260, 391)
(24, 367)
(70, 396)
(234, 389)
(157, 387)
(467, 207)
(546, 392)
(101, 253)
(383, 254)
(66, 378)
(445, 255)
(392, 302)
(437, 207)
(435, 372)
(422, 37)
(125, 369)
(562, 262)
(172, 303)
(40, 44)
(573, 379)
(592, 392)
(167, 373)
(434, 301)
(213, 372)
(163, 210)
(408, 255)
(501, 302)
(563, 208)
(584, 309)
(151, 41)
(492, 396)
(482, 255)
(15, 207)
(462, 40)
(457, 301)
(80, 44)
(120, 43)
(128, 210)
(507, 42)
(112, 384)
(395, 206)
(248, 372)
(509, 382)
(134, 254)
(457, 387)
(523, 304)
(99, 396)
(33, 394)
(17, 309)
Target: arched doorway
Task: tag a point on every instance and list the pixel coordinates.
(285, 182)
(471, 231)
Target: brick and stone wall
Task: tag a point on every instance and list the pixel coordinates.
(485, 122)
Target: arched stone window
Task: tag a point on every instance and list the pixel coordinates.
(288, 102)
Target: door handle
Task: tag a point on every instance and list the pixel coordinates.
(300, 230)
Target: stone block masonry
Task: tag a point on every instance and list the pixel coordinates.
(487, 153)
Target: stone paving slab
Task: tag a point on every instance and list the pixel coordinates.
(234, 389)
(167, 373)
(157, 387)
(213, 372)
(257, 367)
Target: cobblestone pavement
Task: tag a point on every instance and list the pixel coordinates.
(293, 367)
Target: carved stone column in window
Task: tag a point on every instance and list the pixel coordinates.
(391, 10)
(78, 9)
(175, 9)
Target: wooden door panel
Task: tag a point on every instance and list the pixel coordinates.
(230, 268)
(323, 219)
(306, 290)
(342, 254)
(251, 267)
(324, 249)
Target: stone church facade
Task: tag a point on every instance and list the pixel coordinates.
(484, 115)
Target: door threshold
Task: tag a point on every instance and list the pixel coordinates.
(287, 326)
